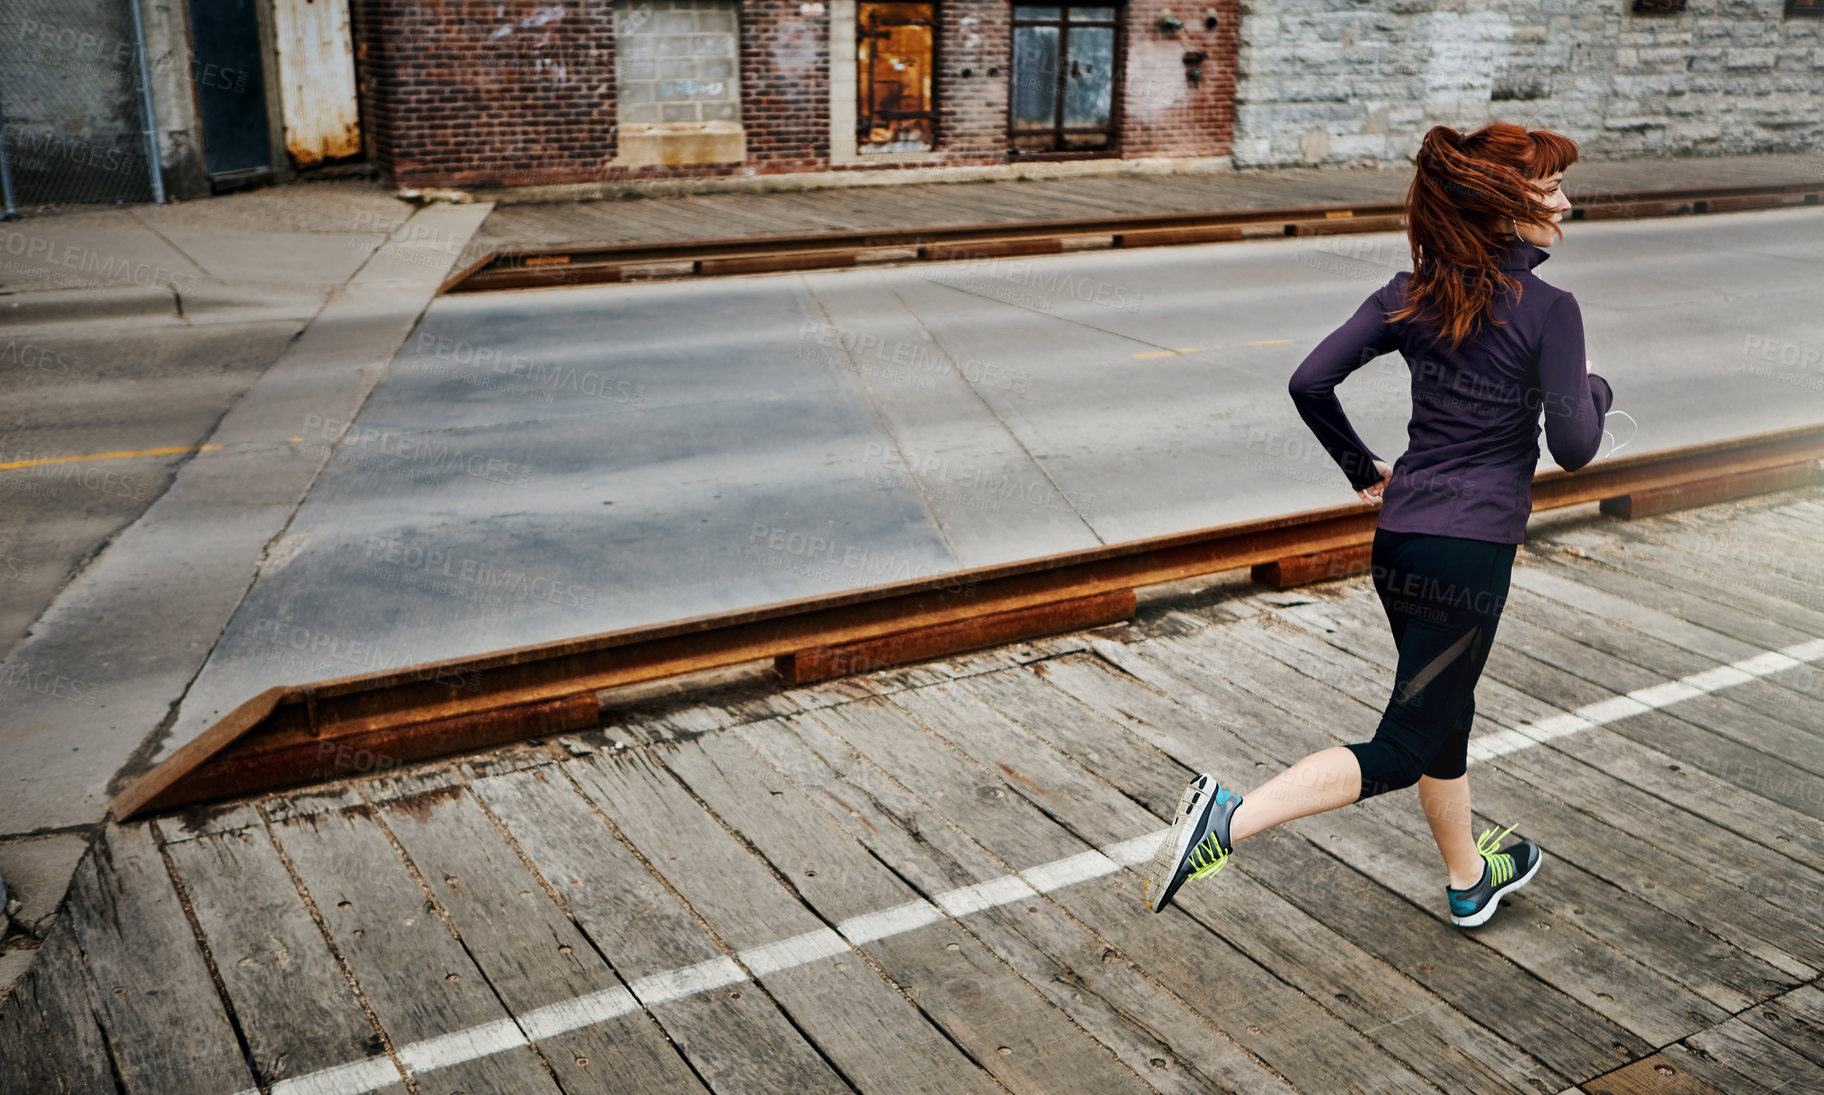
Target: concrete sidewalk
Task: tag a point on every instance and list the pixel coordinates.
(103, 667)
(275, 253)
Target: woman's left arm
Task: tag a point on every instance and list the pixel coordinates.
(1363, 337)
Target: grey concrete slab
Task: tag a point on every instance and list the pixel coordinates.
(89, 692)
(991, 498)
(37, 872)
(561, 464)
(327, 258)
(543, 465)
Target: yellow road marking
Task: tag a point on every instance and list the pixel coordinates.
(107, 456)
(1272, 342)
(1169, 353)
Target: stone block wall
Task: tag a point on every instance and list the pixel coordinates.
(1340, 81)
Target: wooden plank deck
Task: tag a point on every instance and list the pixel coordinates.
(726, 215)
(921, 879)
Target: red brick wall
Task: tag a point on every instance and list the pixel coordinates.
(456, 93)
(1164, 114)
(484, 92)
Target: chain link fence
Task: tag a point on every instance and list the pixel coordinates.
(75, 107)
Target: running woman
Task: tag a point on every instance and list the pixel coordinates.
(1491, 349)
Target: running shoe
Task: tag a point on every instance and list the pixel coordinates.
(1503, 872)
(1197, 845)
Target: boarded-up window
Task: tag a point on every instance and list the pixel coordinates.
(893, 45)
(677, 61)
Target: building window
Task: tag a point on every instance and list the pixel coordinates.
(894, 42)
(677, 61)
(1064, 78)
(1805, 7)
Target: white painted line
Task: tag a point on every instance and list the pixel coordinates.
(353, 1078)
(1721, 677)
(984, 895)
(584, 1011)
(879, 925)
(373, 1073)
(1066, 872)
(462, 1045)
(675, 984)
(1137, 850)
(799, 950)
(1662, 694)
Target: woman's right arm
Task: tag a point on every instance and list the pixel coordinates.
(1574, 399)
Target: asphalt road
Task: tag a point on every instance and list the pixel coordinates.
(152, 392)
(540, 465)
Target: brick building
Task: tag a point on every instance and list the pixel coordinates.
(473, 94)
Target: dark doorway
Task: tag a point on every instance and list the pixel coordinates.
(227, 72)
(1065, 62)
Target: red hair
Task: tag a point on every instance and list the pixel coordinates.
(1465, 190)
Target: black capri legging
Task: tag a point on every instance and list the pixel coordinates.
(1443, 596)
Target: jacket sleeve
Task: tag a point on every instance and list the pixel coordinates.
(1365, 336)
(1573, 400)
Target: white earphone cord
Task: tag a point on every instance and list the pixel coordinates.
(1631, 436)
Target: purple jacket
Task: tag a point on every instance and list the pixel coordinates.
(1473, 439)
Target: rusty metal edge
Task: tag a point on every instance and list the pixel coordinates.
(743, 246)
(418, 694)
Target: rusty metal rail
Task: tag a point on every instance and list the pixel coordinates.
(588, 264)
(301, 734)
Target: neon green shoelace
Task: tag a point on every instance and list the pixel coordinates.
(1207, 857)
(1500, 864)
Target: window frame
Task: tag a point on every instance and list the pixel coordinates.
(1112, 150)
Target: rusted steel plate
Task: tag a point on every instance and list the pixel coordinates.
(981, 249)
(1335, 226)
(393, 701)
(991, 629)
(1702, 492)
(759, 264)
(1155, 237)
(297, 756)
(1318, 566)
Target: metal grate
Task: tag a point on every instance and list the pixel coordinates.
(74, 105)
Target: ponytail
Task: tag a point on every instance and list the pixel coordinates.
(1465, 190)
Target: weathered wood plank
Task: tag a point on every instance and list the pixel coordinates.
(1278, 935)
(49, 1040)
(157, 1003)
(1556, 949)
(734, 1036)
(838, 878)
(871, 1033)
(1747, 1052)
(290, 994)
(1655, 1075)
(1086, 975)
(531, 954)
(1199, 722)
(1795, 1020)
(415, 976)
(1291, 1032)
(1725, 767)
(1727, 976)
(1549, 675)
(1602, 794)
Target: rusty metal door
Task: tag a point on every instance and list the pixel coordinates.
(317, 80)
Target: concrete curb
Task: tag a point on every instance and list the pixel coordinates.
(33, 306)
